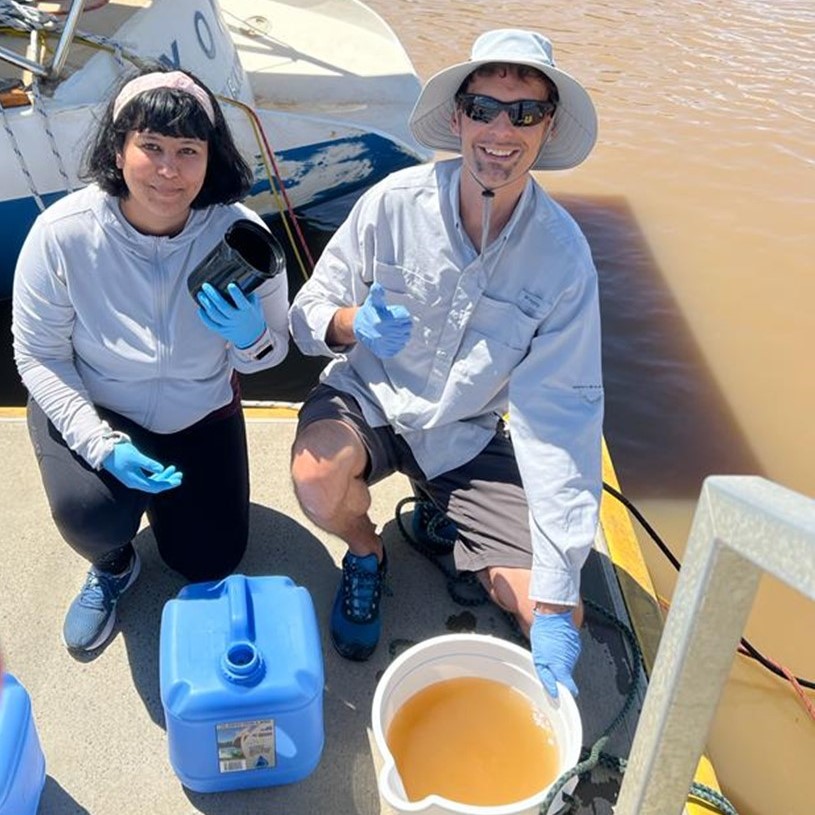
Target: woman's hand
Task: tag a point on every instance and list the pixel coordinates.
(242, 324)
(139, 472)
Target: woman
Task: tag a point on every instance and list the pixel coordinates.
(133, 397)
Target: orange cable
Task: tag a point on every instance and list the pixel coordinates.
(806, 703)
(803, 698)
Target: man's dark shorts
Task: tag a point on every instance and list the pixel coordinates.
(484, 497)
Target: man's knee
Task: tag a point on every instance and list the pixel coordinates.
(326, 456)
(317, 491)
(508, 588)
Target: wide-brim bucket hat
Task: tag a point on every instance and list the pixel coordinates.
(575, 123)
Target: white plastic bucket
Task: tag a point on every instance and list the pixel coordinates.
(457, 655)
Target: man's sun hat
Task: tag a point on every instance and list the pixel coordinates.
(575, 118)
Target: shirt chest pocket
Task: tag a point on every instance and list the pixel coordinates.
(508, 323)
(403, 285)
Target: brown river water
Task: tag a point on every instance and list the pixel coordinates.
(698, 204)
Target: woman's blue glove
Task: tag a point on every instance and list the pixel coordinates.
(555, 648)
(242, 324)
(139, 472)
(384, 330)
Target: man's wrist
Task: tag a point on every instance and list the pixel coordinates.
(340, 331)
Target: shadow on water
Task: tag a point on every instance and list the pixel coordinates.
(667, 423)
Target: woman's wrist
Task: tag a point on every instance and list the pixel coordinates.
(551, 608)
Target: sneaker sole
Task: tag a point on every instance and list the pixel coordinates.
(360, 654)
(108, 629)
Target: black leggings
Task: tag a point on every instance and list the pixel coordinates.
(201, 527)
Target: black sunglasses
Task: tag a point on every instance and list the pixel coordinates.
(523, 113)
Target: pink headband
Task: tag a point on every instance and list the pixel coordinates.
(171, 79)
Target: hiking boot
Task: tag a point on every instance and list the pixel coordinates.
(432, 529)
(92, 615)
(355, 623)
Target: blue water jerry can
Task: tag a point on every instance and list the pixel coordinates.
(241, 677)
(22, 764)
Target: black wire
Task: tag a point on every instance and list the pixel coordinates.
(752, 651)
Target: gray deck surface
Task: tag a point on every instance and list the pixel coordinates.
(100, 720)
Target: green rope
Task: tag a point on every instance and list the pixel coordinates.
(707, 795)
(589, 758)
(592, 758)
(456, 581)
(463, 587)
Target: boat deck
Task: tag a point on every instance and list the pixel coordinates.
(100, 721)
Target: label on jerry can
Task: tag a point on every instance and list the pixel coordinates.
(246, 745)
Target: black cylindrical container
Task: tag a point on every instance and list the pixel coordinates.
(247, 255)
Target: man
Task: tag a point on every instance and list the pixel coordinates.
(454, 293)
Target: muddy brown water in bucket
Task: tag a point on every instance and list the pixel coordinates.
(474, 741)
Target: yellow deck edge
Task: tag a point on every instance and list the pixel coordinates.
(640, 597)
(635, 580)
(271, 412)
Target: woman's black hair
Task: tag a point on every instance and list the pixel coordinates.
(175, 113)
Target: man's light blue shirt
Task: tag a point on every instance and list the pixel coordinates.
(514, 329)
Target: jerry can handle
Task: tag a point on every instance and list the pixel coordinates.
(242, 662)
(241, 619)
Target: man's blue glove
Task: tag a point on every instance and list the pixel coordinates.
(139, 472)
(242, 324)
(384, 330)
(555, 648)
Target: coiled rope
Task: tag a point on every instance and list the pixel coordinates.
(22, 15)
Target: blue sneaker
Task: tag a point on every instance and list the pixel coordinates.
(92, 615)
(432, 529)
(355, 623)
